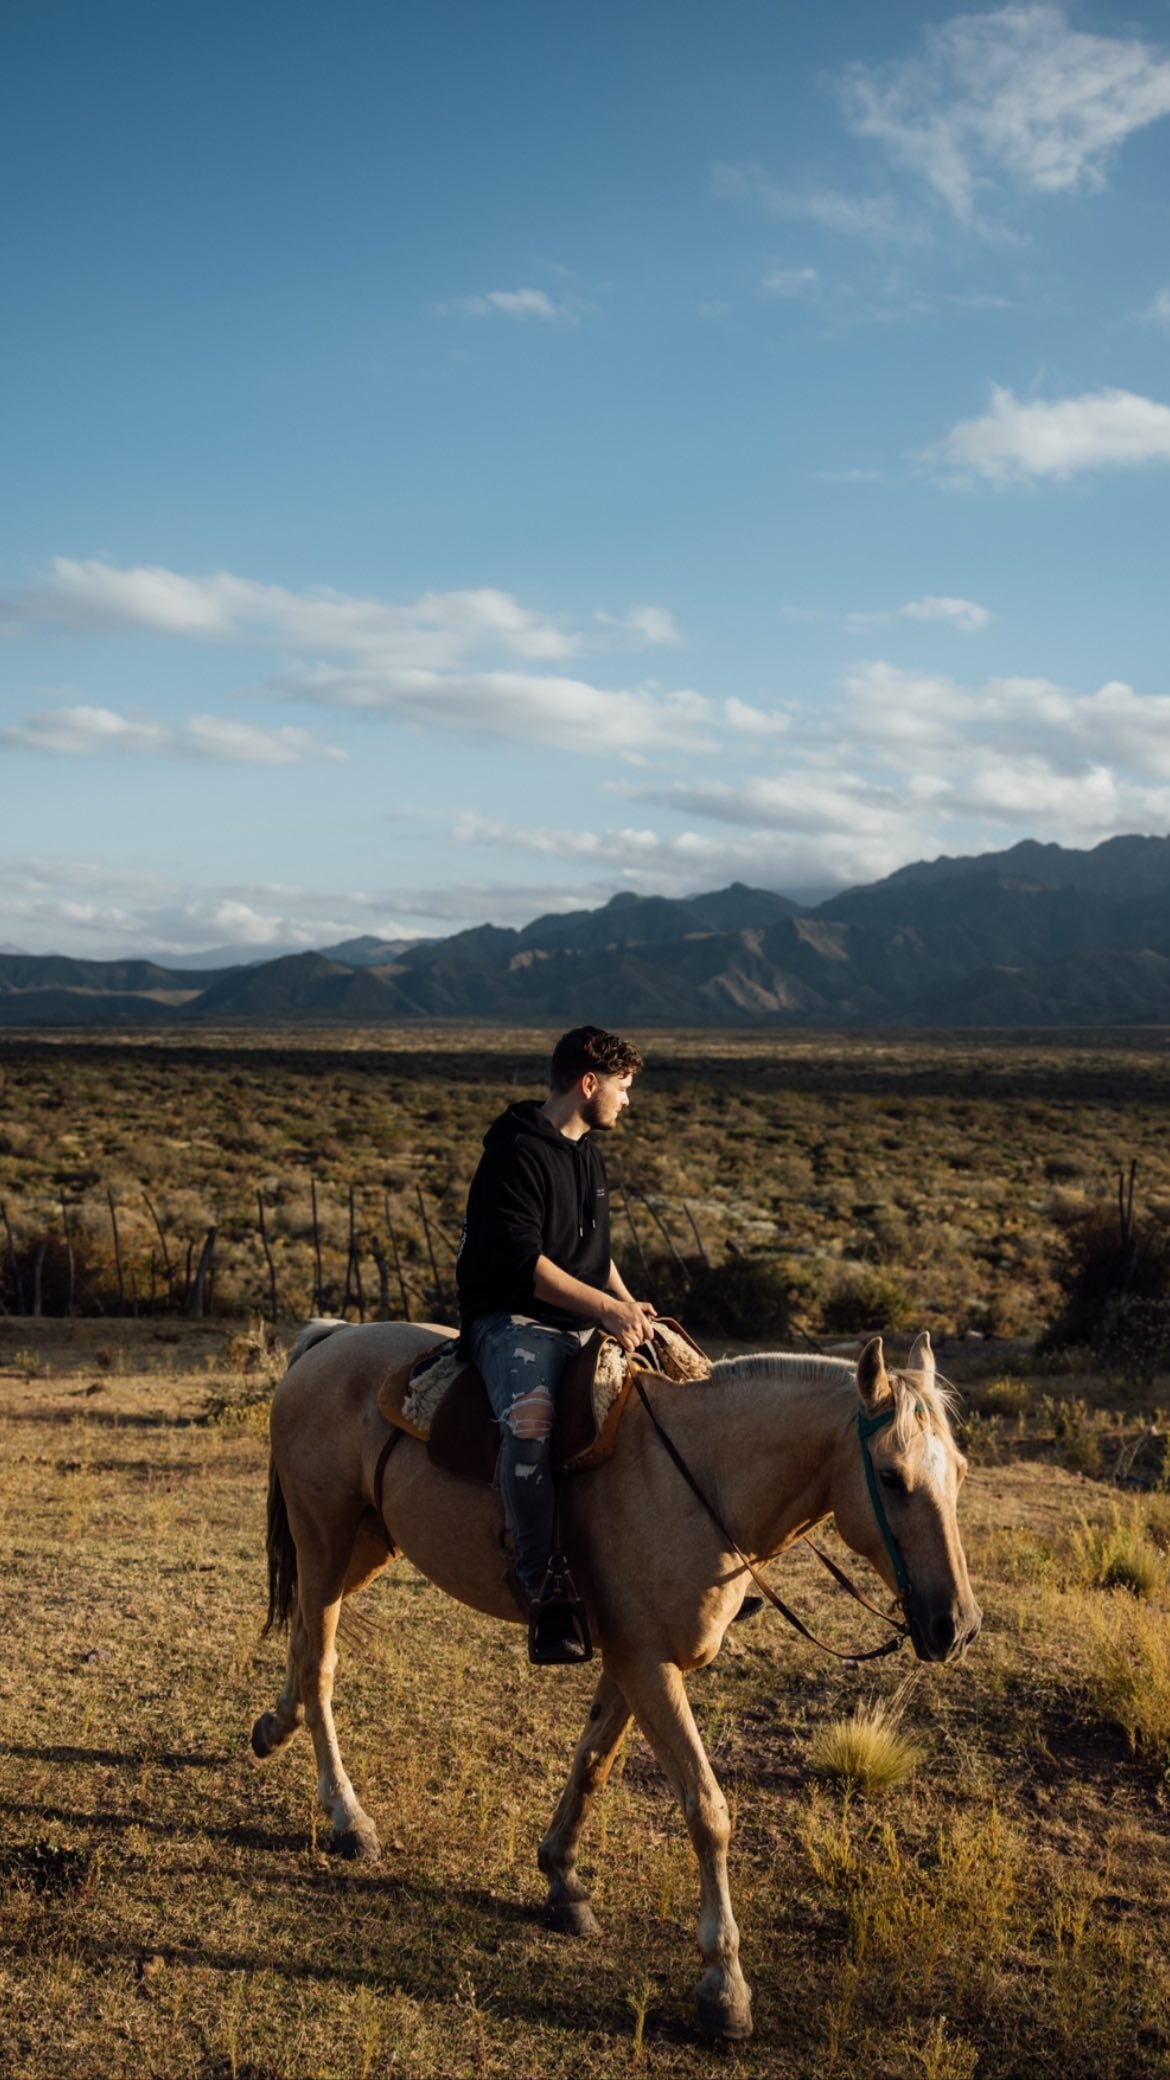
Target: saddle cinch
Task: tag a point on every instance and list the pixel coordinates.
(439, 1397)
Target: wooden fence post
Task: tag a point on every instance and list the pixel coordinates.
(695, 1232)
(68, 1255)
(168, 1274)
(422, 1207)
(667, 1237)
(397, 1258)
(629, 1213)
(379, 1256)
(13, 1259)
(267, 1252)
(319, 1288)
(117, 1250)
(206, 1259)
(353, 1263)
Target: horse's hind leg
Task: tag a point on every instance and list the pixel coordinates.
(273, 1730)
(567, 1907)
(322, 1583)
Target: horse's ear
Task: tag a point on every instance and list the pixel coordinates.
(872, 1382)
(921, 1358)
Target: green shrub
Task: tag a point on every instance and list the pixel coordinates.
(1113, 1272)
(744, 1296)
(864, 1300)
(1118, 1553)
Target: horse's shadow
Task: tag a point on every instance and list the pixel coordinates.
(131, 1758)
(241, 1834)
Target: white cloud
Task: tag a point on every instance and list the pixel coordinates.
(653, 625)
(462, 660)
(1014, 442)
(614, 846)
(84, 732)
(1013, 93)
(519, 304)
(749, 721)
(88, 907)
(435, 630)
(569, 714)
(799, 799)
(964, 614)
(872, 217)
(792, 282)
(1158, 311)
(678, 863)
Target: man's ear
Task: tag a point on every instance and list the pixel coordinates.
(873, 1383)
(588, 1084)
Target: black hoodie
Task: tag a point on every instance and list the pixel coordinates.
(535, 1193)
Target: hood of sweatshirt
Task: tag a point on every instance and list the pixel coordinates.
(525, 1121)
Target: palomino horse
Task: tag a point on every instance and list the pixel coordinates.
(774, 1444)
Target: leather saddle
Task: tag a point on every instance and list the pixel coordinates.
(463, 1436)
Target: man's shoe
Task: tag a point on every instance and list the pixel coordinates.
(558, 1622)
(558, 1633)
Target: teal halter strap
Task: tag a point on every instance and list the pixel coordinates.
(866, 1427)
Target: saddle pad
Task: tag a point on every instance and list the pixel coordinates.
(397, 1402)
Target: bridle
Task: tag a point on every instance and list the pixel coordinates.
(866, 1428)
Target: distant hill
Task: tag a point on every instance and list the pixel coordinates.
(1035, 936)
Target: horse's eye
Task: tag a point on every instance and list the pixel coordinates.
(891, 1480)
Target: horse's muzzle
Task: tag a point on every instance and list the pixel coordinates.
(942, 1634)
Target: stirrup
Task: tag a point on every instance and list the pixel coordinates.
(557, 1599)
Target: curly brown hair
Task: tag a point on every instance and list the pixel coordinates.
(590, 1048)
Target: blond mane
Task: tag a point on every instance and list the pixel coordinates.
(918, 1397)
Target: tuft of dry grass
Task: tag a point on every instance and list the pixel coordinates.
(1129, 1679)
(1117, 1552)
(867, 1752)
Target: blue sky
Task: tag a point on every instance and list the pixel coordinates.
(461, 461)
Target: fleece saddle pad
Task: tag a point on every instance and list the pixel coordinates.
(439, 1397)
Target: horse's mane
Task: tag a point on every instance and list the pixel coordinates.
(916, 1394)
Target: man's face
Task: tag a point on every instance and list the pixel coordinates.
(606, 1098)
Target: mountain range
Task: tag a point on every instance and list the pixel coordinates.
(1038, 935)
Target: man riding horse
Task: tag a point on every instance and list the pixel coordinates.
(536, 1277)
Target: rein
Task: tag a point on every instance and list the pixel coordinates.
(866, 1427)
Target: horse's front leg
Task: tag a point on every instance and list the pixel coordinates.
(567, 1907)
(659, 1701)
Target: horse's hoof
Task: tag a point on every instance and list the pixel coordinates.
(264, 1735)
(730, 2020)
(357, 1843)
(572, 1917)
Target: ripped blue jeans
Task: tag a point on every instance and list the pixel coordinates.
(522, 1362)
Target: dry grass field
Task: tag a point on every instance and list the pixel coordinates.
(910, 1180)
(168, 1908)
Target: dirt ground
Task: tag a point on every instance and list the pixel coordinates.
(168, 1907)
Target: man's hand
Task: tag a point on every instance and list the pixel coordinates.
(628, 1320)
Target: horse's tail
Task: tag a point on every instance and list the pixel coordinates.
(282, 1557)
(314, 1332)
